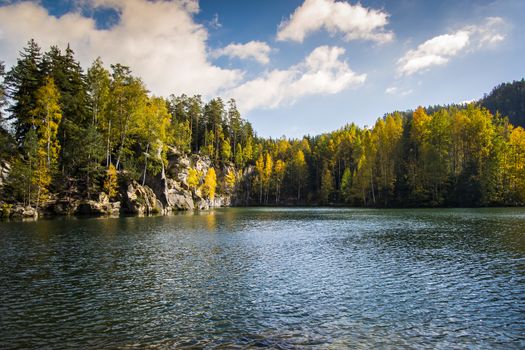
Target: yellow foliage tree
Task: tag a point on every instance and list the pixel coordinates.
(279, 171)
(517, 150)
(110, 182)
(193, 178)
(210, 184)
(46, 118)
(259, 168)
(268, 168)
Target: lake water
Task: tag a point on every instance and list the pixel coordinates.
(274, 278)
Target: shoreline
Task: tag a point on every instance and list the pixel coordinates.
(197, 211)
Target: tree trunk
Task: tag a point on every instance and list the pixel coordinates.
(108, 158)
(145, 164)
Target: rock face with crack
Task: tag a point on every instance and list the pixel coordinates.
(163, 193)
(140, 200)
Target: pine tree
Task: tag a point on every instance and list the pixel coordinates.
(20, 182)
(22, 82)
(98, 81)
(2, 94)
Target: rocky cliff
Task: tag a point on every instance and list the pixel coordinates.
(161, 194)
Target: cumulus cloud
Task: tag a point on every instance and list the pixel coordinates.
(355, 22)
(440, 49)
(256, 50)
(321, 72)
(159, 40)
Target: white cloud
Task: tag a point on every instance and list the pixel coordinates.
(391, 90)
(466, 102)
(394, 90)
(159, 40)
(440, 49)
(321, 72)
(355, 22)
(256, 50)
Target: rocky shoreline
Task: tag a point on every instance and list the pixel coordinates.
(162, 194)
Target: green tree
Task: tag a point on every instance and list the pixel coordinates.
(225, 150)
(2, 93)
(151, 131)
(239, 158)
(235, 124)
(89, 157)
(127, 100)
(98, 82)
(279, 172)
(327, 186)
(23, 81)
(20, 181)
(299, 172)
(346, 185)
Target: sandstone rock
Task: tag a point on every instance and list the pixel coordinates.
(19, 211)
(202, 204)
(180, 201)
(100, 208)
(141, 200)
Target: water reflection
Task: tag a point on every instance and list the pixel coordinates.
(275, 278)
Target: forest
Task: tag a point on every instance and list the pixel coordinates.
(69, 131)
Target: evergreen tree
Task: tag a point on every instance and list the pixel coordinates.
(22, 82)
(2, 94)
(98, 83)
(20, 182)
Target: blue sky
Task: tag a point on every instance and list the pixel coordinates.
(295, 67)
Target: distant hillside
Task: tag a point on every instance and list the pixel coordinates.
(509, 100)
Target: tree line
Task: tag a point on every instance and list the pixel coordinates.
(455, 156)
(75, 133)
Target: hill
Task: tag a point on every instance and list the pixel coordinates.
(509, 100)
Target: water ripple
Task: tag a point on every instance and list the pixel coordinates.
(271, 278)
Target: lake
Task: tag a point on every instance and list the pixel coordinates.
(267, 277)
